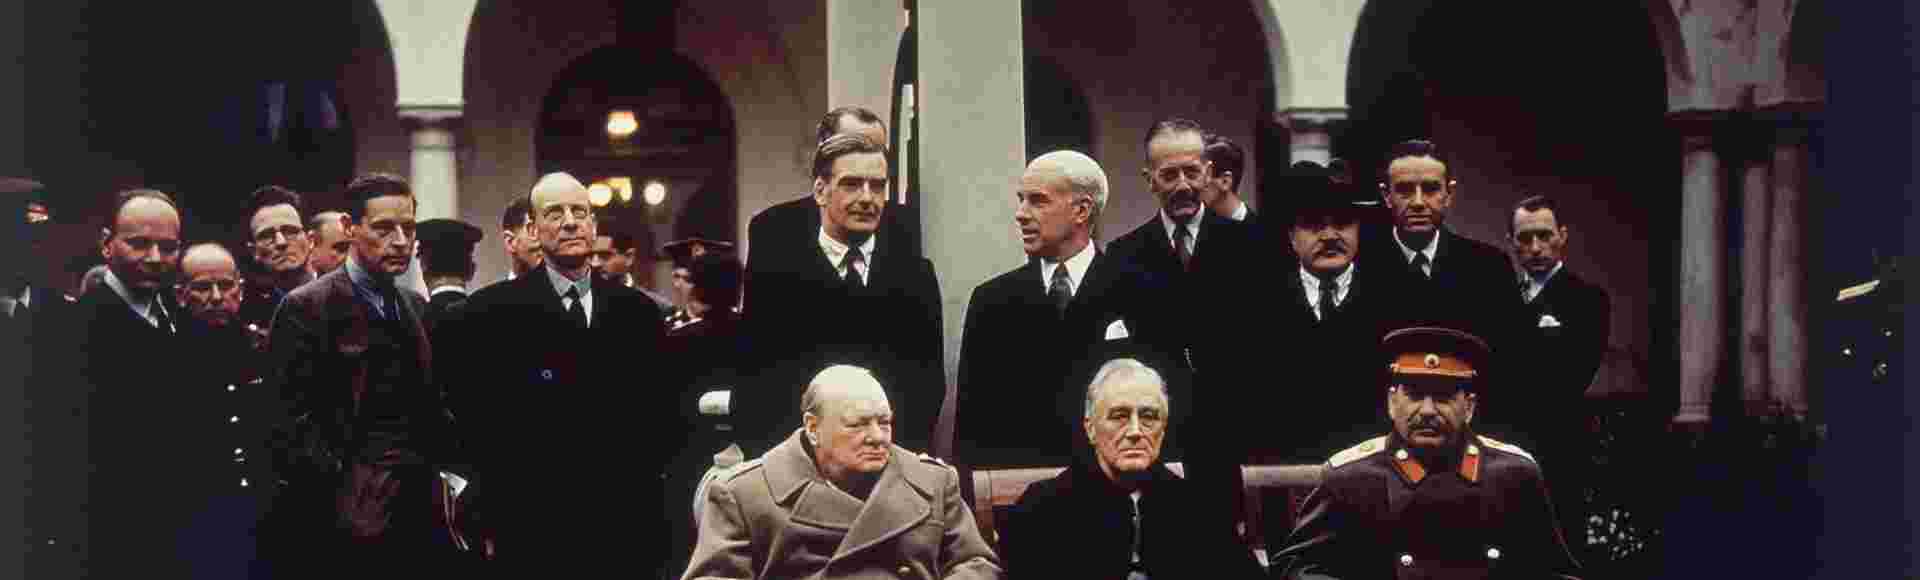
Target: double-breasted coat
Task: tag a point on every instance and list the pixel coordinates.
(775, 517)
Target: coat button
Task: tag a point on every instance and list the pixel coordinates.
(1400, 455)
(546, 374)
(230, 388)
(1406, 559)
(233, 419)
(904, 570)
(1493, 553)
(243, 482)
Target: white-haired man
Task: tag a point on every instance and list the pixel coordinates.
(1128, 515)
(837, 499)
(1069, 300)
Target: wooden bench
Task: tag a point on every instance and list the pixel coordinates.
(997, 490)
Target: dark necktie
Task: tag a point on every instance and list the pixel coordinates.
(1139, 564)
(1328, 289)
(160, 317)
(390, 310)
(575, 310)
(1181, 248)
(1060, 289)
(852, 262)
(1420, 265)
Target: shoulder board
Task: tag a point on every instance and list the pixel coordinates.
(1351, 454)
(1507, 447)
(742, 468)
(924, 458)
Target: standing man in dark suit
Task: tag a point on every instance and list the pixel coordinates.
(367, 439)
(516, 231)
(799, 218)
(844, 293)
(21, 299)
(1178, 175)
(124, 332)
(1468, 281)
(1071, 301)
(1562, 336)
(552, 411)
(446, 252)
(1226, 162)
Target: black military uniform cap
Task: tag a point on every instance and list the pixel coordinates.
(445, 235)
(1315, 196)
(682, 252)
(1439, 353)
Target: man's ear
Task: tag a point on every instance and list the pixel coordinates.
(1563, 236)
(1086, 423)
(820, 191)
(810, 424)
(106, 235)
(180, 293)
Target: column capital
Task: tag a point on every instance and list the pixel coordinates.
(430, 114)
(1310, 118)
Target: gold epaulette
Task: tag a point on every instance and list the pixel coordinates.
(1365, 448)
(1507, 447)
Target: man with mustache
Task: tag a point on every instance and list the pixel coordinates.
(1561, 338)
(838, 499)
(545, 392)
(280, 246)
(328, 230)
(367, 439)
(1432, 499)
(92, 397)
(1178, 175)
(846, 292)
(1127, 514)
(1070, 300)
(1466, 282)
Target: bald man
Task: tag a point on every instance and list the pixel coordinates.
(838, 499)
(1069, 303)
(545, 391)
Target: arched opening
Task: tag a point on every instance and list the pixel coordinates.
(1058, 116)
(639, 119)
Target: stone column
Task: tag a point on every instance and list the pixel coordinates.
(1311, 132)
(974, 124)
(435, 171)
(1702, 281)
(1786, 291)
(863, 40)
(1756, 216)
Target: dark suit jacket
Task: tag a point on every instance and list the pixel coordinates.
(438, 305)
(1367, 514)
(548, 407)
(350, 385)
(1554, 365)
(1024, 369)
(799, 219)
(1148, 248)
(1083, 506)
(803, 319)
(94, 433)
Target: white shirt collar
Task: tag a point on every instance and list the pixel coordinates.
(837, 253)
(1311, 284)
(141, 308)
(560, 283)
(26, 296)
(1533, 286)
(446, 288)
(1193, 229)
(1076, 270)
(1406, 254)
(1240, 212)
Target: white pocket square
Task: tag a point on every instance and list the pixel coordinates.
(1117, 330)
(1548, 321)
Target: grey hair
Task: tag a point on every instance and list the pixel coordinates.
(1122, 367)
(1084, 178)
(810, 398)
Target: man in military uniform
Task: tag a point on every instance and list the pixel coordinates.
(837, 499)
(1431, 499)
(684, 253)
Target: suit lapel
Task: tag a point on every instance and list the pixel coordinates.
(894, 506)
(1159, 247)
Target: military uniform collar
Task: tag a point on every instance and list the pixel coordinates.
(1413, 472)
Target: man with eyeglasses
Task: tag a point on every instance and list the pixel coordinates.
(280, 247)
(845, 293)
(94, 392)
(547, 395)
(367, 442)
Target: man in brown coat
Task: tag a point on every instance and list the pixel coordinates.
(837, 499)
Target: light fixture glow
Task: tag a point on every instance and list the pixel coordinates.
(622, 186)
(599, 193)
(654, 192)
(621, 123)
